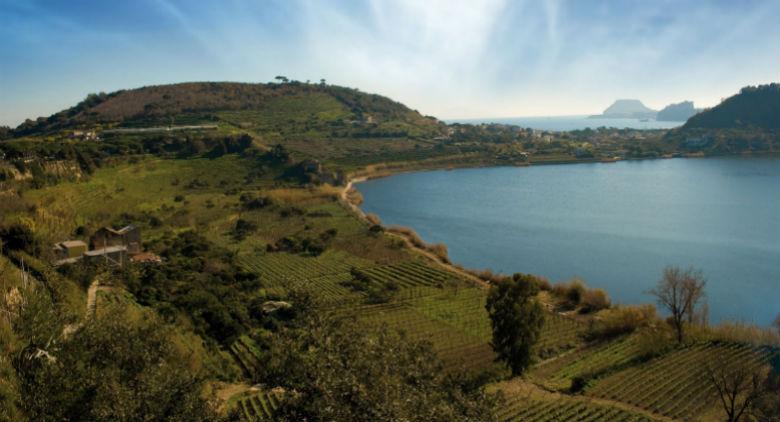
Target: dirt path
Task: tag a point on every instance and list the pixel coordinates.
(355, 209)
(92, 297)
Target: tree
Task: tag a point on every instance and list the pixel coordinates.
(681, 292)
(517, 319)
(282, 79)
(112, 369)
(740, 385)
(336, 370)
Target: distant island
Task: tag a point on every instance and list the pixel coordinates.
(627, 109)
(634, 109)
(679, 112)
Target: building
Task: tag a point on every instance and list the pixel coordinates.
(70, 249)
(128, 236)
(114, 254)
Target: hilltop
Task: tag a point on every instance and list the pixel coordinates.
(317, 106)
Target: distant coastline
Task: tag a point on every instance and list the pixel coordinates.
(567, 123)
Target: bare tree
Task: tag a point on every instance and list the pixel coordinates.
(681, 292)
(740, 385)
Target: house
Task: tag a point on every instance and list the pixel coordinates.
(128, 236)
(115, 254)
(70, 249)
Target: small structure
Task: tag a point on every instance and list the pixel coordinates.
(145, 258)
(70, 249)
(128, 236)
(113, 254)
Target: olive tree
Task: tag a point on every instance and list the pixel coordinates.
(681, 292)
(516, 317)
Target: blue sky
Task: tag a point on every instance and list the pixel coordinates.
(447, 58)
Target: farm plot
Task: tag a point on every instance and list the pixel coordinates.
(456, 347)
(258, 405)
(245, 353)
(559, 334)
(564, 409)
(282, 269)
(588, 361)
(675, 385)
(411, 274)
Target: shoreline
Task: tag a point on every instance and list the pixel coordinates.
(382, 170)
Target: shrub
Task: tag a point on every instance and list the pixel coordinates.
(373, 219)
(440, 250)
(243, 228)
(571, 293)
(178, 198)
(594, 300)
(654, 341)
(621, 320)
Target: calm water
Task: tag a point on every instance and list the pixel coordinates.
(564, 123)
(615, 225)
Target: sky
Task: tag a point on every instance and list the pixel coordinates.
(446, 58)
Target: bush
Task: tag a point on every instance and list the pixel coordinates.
(571, 292)
(20, 237)
(594, 300)
(621, 320)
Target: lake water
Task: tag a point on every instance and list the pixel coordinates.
(615, 225)
(565, 123)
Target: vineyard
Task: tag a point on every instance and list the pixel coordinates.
(564, 409)
(258, 405)
(586, 362)
(675, 384)
(245, 353)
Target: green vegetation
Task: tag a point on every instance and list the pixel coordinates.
(517, 318)
(268, 277)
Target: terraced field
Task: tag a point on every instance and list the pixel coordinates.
(258, 405)
(591, 360)
(411, 274)
(559, 334)
(280, 269)
(675, 384)
(565, 409)
(245, 352)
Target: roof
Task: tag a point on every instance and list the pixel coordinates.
(101, 251)
(73, 244)
(145, 257)
(123, 230)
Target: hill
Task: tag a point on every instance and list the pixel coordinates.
(630, 109)
(319, 106)
(754, 107)
(679, 112)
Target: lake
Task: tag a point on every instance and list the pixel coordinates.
(566, 123)
(614, 225)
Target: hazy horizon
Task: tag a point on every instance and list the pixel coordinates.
(450, 59)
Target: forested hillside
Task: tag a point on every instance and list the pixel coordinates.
(754, 107)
